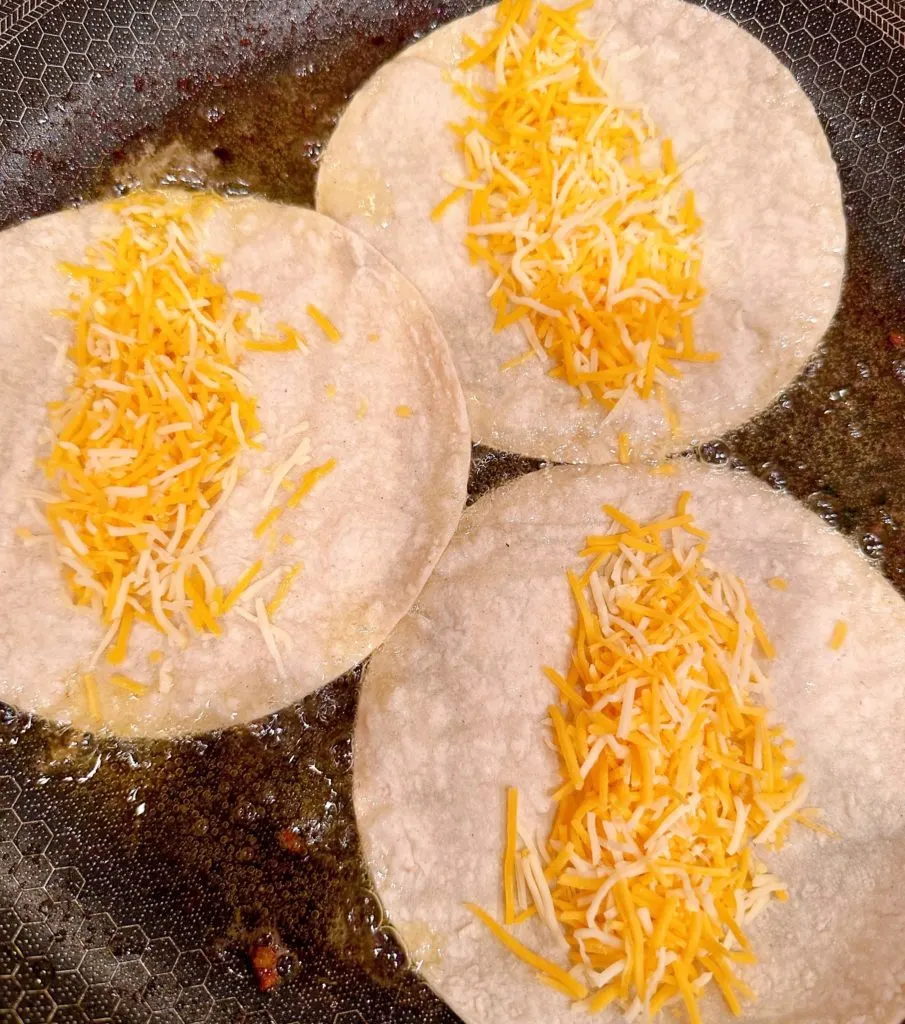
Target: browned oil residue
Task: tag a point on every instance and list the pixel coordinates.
(261, 135)
(834, 439)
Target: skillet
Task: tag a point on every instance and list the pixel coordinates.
(143, 881)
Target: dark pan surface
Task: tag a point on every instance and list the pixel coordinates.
(135, 877)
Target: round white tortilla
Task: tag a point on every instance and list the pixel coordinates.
(453, 710)
(766, 188)
(368, 535)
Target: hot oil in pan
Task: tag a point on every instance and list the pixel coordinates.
(236, 850)
(244, 843)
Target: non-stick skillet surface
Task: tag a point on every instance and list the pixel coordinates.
(135, 878)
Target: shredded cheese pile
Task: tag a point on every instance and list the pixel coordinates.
(672, 776)
(146, 443)
(577, 208)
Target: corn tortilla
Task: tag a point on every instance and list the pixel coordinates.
(366, 537)
(765, 186)
(453, 710)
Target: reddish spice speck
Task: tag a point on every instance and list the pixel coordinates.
(244, 42)
(138, 83)
(265, 954)
(896, 339)
(264, 960)
(291, 841)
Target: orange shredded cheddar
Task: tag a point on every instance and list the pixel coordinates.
(837, 638)
(624, 449)
(147, 438)
(324, 322)
(117, 653)
(92, 698)
(130, 684)
(242, 585)
(509, 856)
(310, 481)
(523, 357)
(447, 202)
(281, 345)
(670, 779)
(268, 521)
(283, 589)
(573, 987)
(577, 209)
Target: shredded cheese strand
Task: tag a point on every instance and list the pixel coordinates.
(509, 856)
(551, 970)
